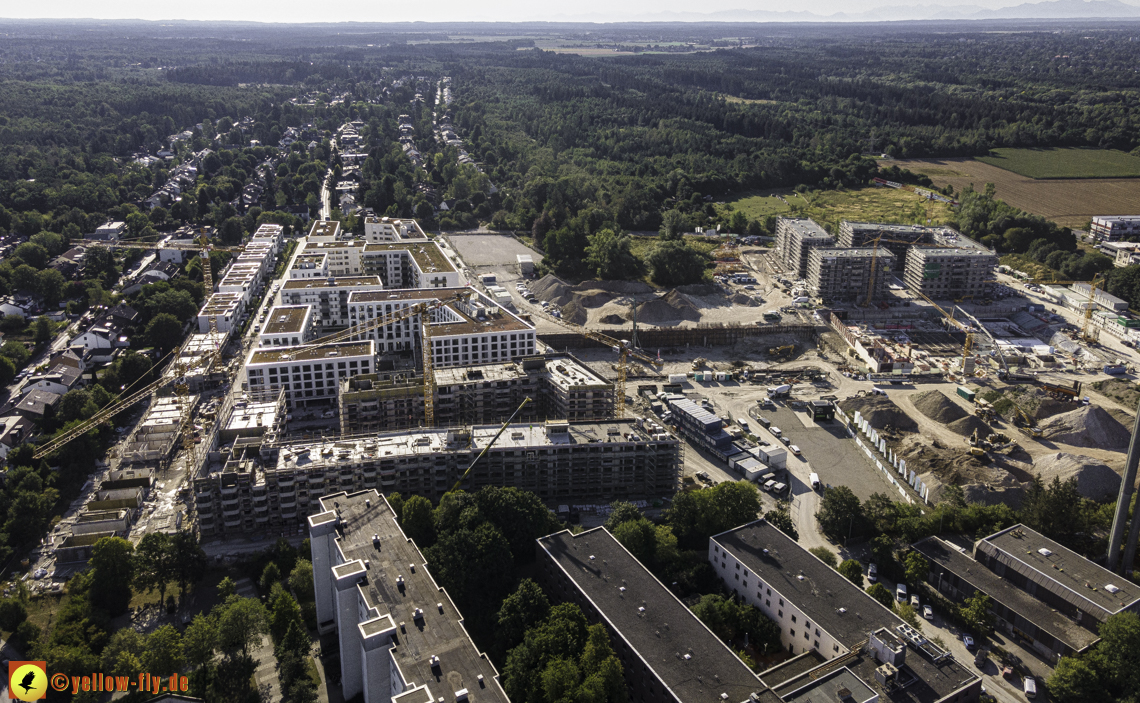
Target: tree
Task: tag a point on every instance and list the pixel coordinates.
(609, 256)
(112, 572)
(42, 330)
(54, 244)
(270, 577)
(520, 611)
(189, 560)
(826, 556)
(474, 565)
(852, 570)
(519, 515)
(128, 642)
(673, 263)
(16, 351)
(640, 538)
(31, 254)
(25, 278)
(1076, 680)
(7, 371)
(200, 640)
(50, 285)
(881, 594)
(697, 515)
(975, 612)
(840, 514)
(155, 567)
(917, 567)
(301, 580)
(12, 613)
(673, 225)
(906, 612)
(283, 611)
(164, 332)
(226, 588)
(417, 521)
(163, 650)
(780, 517)
(240, 623)
(76, 405)
(621, 511)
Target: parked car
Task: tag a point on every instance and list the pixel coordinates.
(872, 573)
(1029, 687)
(927, 612)
(914, 602)
(900, 593)
(968, 641)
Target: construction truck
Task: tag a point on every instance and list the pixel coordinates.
(699, 363)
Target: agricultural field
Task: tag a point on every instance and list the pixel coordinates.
(1065, 163)
(1068, 202)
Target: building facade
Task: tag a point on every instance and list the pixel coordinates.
(951, 273)
(794, 241)
(849, 275)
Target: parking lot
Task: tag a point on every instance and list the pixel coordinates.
(490, 250)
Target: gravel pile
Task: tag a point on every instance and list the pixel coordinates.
(1094, 480)
(669, 308)
(881, 412)
(1090, 426)
(966, 426)
(745, 300)
(936, 406)
(592, 298)
(552, 289)
(612, 319)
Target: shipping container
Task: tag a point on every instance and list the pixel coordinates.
(966, 393)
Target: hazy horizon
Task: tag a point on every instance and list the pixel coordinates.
(600, 11)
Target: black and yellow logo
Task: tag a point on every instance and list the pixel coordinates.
(27, 681)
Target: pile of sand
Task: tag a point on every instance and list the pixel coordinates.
(575, 313)
(671, 307)
(592, 298)
(612, 319)
(1039, 404)
(952, 466)
(552, 289)
(966, 426)
(1094, 479)
(742, 299)
(1090, 426)
(936, 406)
(881, 412)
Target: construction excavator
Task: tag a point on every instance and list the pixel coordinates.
(785, 350)
(1024, 422)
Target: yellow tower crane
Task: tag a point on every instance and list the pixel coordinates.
(1090, 306)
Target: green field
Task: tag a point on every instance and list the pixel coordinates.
(757, 207)
(1065, 163)
(830, 207)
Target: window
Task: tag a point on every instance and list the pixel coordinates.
(781, 601)
(768, 603)
(791, 632)
(768, 592)
(738, 566)
(793, 618)
(817, 633)
(780, 613)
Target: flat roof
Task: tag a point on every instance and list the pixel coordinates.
(333, 282)
(501, 321)
(1020, 546)
(286, 319)
(805, 228)
(425, 252)
(366, 514)
(824, 688)
(854, 252)
(684, 654)
(818, 590)
(979, 577)
(954, 251)
(324, 228)
(315, 353)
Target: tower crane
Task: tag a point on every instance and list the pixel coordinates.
(1095, 283)
(624, 349)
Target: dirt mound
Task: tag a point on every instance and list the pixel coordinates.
(1094, 479)
(574, 313)
(1038, 403)
(621, 287)
(592, 298)
(936, 406)
(952, 466)
(612, 319)
(966, 426)
(881, 412)
(671, 307)
(1090, 426)
(552, 289)
(742, 299)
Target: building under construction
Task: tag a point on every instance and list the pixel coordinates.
(560, 386)
(274, 487)
(951, 273)
(849, 275)
(794, 241)
(896, 238)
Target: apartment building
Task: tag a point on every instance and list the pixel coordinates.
(287, 326)
(411, 264)
(309, 375)
(951, 273)
(314, 265)
(794, 241)
(401, 638)
(896, 238)
(391, 229)
(273, 487)
(1112, 228)
(343, 255)
(849, 275)
(1122, 253)
(667, 654)
(324, 230)
(328, 297)
(823, 615)
(1040, 591)
(472, 330)
(272, 235)
(224, 309)
(559, 386)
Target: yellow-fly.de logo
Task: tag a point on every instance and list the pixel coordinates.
(27, 681)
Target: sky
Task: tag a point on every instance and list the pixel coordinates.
(437, 10)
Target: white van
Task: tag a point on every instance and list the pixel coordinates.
(900, 593)
(1029, 687)
(775, 430)
(814, 478)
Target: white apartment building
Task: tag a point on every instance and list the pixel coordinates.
(224, 308)
(306, 266)
(287, 326)
(391, 229)
(328, 296)
(471, 331)
(311, 374)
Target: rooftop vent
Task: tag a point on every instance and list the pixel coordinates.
(1045, 552)
(687, 657)
(842, 611)
(1112, 589)
(641, 609)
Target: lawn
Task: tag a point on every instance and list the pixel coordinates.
(1065, 163)
(872, 204)
(757, 206)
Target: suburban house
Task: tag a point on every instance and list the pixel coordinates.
(14, 431)
(38, 405)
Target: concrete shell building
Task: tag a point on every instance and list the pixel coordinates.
(847, 275)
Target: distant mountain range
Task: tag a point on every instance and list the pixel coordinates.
(1048, 10)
